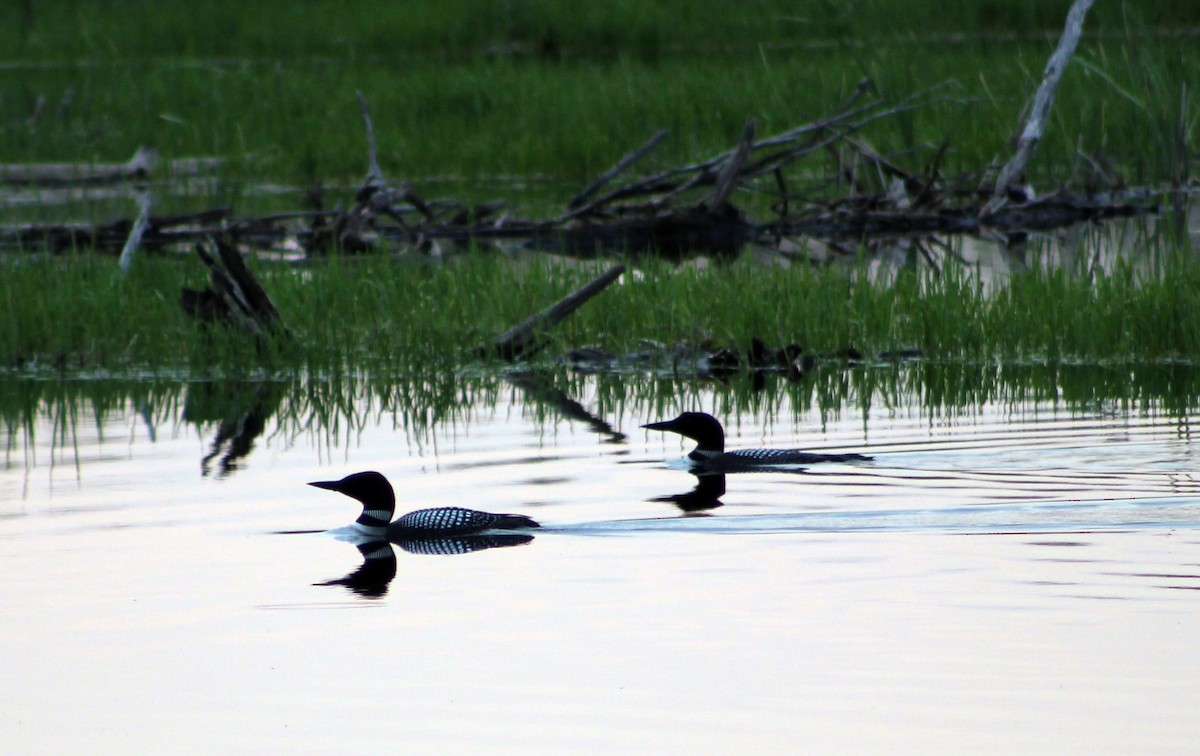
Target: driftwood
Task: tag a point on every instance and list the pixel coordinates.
(1031, 134)
(525, 338)
(54, 174)
(144, 164)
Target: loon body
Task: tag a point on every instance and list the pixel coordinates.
(710, 452)
(379, 504)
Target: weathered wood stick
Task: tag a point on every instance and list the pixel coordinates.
(374, 172)
(523, 338)
(835, 126)
(250, 289)
(727, 178)
(135, 234)
(1031, 134)
(626, 161)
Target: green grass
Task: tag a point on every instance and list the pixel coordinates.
(377, 315)
(277, 81)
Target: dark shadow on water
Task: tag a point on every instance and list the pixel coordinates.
(241, 410)
(539, 388)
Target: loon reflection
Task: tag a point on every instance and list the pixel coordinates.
(372, 577)
(710, 487)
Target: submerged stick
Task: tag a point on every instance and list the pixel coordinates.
(1031, 134)
(540, 388)
(523, 338)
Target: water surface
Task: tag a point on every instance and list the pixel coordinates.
(1004, 576)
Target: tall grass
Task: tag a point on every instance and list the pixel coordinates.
(77, 314)
(276, 81)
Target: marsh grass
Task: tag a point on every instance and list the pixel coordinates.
(372, 313)
(551, 94)
(474, 90)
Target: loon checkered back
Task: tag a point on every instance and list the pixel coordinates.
(457, 521)
(378, 500)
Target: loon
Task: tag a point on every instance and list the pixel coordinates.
(710, 452)
(379, 504)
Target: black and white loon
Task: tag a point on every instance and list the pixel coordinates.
(379, 504)
(710, 452)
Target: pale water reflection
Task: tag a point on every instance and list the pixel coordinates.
(1004, 576)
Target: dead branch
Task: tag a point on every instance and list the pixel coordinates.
(56, 174)
(235, 296)
(728, 176)
(135, 233)
(626, 161)
(1031, 134)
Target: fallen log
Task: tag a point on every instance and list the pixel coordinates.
(160, 232)
(56, 174)
(525, 338)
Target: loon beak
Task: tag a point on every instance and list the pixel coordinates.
(328, 485)
(664, 425)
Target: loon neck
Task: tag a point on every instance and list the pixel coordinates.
(702, 454)
(374, 519)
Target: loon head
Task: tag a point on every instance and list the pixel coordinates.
(370, 488)
(701, 427)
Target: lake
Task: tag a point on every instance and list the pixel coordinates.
(1016, 570)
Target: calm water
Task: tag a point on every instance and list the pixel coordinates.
(1011, 577)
